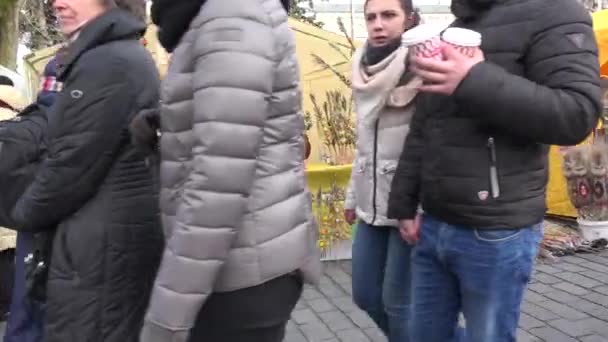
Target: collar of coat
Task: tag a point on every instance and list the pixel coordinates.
(114, 25)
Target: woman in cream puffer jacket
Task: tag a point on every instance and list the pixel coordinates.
(384, 93)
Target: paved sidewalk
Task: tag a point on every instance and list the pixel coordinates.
(567, 301)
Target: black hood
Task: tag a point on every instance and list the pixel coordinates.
(469, 9)
(114, 25)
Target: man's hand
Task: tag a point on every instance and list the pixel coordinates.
(350, 216)
(143, 128)
(443, 77)
(410, 229)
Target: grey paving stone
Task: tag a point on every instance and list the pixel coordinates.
(304, 316)
(571, 288)
(332, 290)
(560, 296)
(375, 334)
(578, 279)
(546, 278)
(302, 304)
(336, 321)
(595, 258)
(594, 266)
(574, 260)
(598, 276)
(353, 335)
(345, 304)
(538, 312)
(569, 267)
(545, 268)
(291, 326)
(294, 336)
(311, 293)
(527, 322)
(539, 287)
(551, 335)
(336, 272)
(597, 298)
(601, 289)
(593, 338)
(316, 331)
(534, 297)
(321, 305)
(578, 328)
(587, 307)
(361, 319)
(524, 336)
(562, 310)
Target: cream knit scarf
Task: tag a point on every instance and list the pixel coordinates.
(376, 86)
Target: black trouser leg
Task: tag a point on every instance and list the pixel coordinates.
(7, 272)
(255, 314)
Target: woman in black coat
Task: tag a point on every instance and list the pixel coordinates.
(94, 186)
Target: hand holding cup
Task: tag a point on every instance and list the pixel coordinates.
(459, 57)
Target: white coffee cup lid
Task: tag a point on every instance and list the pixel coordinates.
(462, 37)
(420, 34)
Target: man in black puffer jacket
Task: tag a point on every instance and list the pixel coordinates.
(476, 159)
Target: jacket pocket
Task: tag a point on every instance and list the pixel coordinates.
(384, 180)
(362, 183)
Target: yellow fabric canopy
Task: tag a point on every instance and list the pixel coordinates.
(600, 27)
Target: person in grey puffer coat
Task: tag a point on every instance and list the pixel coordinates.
(241, 238)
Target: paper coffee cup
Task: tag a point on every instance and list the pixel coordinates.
(464, 40)
(424, 41)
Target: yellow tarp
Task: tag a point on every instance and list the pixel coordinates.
(600, 26)
(558, 202)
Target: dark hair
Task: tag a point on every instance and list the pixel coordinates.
(135, 7)
(408, 8)
(5, 80)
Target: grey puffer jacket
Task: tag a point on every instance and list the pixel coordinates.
(234, 198)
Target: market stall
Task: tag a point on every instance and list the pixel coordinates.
(558, 202)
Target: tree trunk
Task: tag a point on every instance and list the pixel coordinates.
(9, 33)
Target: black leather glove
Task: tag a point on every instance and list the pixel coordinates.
(144, 130)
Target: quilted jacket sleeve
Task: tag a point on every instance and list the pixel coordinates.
(81, 149)
(561, 88)
(233, 87)
(404, 196)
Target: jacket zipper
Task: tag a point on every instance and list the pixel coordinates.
(375, 175)
(494, 186)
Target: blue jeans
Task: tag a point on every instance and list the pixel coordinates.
(482, 273)
(26, 320)
(381, 278)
